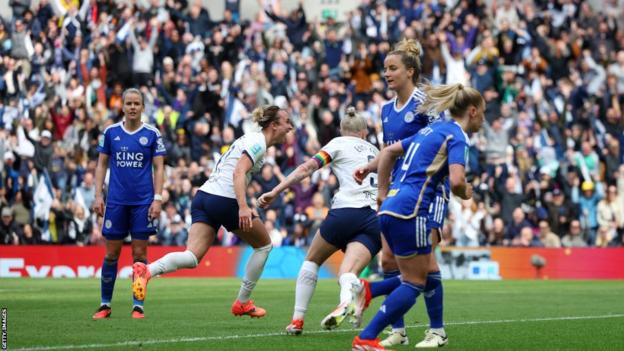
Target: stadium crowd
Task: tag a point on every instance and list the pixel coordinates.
(547, 168)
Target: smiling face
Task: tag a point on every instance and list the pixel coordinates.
(282, 127)
(133, 106)
(395, 72)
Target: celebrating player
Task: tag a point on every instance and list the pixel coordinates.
(351, 224)
(129, 148)
(401, 118)
(221, 200)
(433, 154)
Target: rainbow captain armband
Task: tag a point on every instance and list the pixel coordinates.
(322, 158)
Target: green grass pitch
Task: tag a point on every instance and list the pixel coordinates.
(193, 314)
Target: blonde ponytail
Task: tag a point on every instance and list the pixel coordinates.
(454, 97)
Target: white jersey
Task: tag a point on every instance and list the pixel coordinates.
(221, 181)
(345, 154)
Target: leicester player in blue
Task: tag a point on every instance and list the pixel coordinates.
(401, 118)
(435, 153)
(134, 152)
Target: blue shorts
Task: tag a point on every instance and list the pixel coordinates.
(215, 210)
(121, 220)
(406, 237)
(345, 225)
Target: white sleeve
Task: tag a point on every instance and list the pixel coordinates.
(331, 149)
(255, 147)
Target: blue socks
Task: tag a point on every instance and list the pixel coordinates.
(108, 277)
(385, 287)
(434, 296)
(394, 307)
(394, 280)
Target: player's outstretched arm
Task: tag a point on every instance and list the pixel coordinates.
(303, 171)
(387, 158)
(100, 173)
(457, 181)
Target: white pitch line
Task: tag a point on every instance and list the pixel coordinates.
(247, 336)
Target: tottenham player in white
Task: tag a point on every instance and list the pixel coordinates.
(351, 224)
(221, 201)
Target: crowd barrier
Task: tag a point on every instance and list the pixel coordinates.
(284, 262)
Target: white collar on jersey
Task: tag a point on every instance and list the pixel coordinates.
(123, 123)
(415, 93)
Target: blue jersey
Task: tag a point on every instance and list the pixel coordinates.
(130, 163)
(425, 165)
(399, 124)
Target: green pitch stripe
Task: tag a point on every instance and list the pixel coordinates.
(245, 336)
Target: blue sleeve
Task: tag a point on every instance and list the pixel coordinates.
(457, 150)
(405, 143)
(104, 142)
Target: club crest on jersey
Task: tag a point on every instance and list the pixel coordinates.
(409, 117)
(143, 141)
(108, 224)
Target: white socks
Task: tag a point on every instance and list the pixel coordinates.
(346, 281)
(306, 283)
(171, 262)
(254, 269)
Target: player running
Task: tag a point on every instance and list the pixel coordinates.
(435, 153)
(351, 224)
(134, 152)
(221, 201)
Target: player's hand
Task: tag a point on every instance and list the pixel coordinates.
(360, 173)
(265, 200)
(154, 210)
(98, 206)
(380, 200)
(244, 218)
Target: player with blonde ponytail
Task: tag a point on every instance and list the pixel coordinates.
(435, 154)
(351, 224)
(402, 117)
